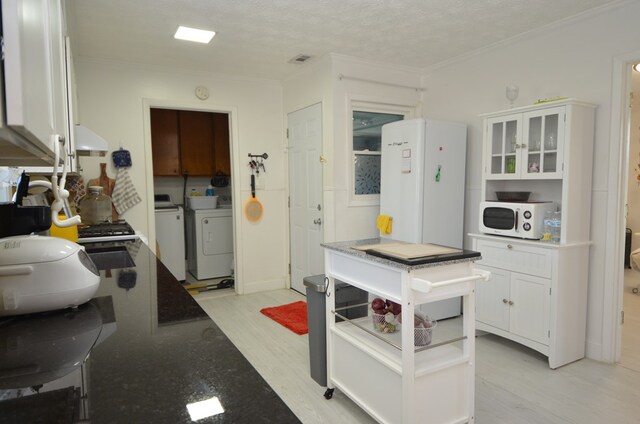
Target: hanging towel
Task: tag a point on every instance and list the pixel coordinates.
(384, 224)
(124, 194)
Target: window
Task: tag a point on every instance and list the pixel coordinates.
(366, 148)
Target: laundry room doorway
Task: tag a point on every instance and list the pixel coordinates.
(191, 152)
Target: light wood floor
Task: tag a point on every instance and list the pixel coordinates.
(513, 384)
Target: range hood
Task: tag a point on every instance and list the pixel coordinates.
(89, 143)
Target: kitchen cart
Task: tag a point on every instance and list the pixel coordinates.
(385, 374)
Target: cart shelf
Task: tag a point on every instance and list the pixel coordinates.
(437, 356)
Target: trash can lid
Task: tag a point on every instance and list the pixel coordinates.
(315, 282)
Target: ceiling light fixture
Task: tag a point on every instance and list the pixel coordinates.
(193, 34)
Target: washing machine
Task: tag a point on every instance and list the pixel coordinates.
(170, 235)
(209, 243)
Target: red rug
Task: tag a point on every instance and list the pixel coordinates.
(292, 315)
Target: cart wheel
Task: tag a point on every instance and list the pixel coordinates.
(328, 394)
(634, 291)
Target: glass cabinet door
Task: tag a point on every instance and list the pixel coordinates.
(504, 135)
(542, 145)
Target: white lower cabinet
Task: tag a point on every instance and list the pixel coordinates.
(536, 295)
(509, 300)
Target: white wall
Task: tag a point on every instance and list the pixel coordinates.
(633, 189)
(572, 59)
(111, 99)
(311, 85)
(353, 221)
(343, 219)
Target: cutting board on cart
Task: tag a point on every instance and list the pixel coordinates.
(409, 250)
(107, 185)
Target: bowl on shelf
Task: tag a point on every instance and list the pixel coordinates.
(422, 335)
(513, 196)
(202, 202)
(384, 324)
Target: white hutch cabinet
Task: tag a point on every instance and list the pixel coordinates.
(537, 293)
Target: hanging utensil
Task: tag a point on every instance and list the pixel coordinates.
(253, 208)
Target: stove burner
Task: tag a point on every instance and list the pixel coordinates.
(117, 228)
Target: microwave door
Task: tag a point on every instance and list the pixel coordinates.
(499, 218)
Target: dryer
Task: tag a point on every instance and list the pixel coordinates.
(209, 243)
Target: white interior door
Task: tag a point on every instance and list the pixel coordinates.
(305, 194)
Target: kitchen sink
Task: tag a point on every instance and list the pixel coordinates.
(111, 257)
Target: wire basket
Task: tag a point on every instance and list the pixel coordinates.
(385, 325)
(422, 336)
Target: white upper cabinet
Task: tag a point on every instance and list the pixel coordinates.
(526, 145)
(543, 144)
(35, 92)
(504, 135)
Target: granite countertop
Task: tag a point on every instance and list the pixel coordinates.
(347, 248)
(139, 352)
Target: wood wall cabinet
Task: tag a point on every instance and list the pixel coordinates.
(165, 143)
(189, 143)
(196, 142)
(221, 152)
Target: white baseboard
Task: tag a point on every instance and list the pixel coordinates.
(266, 285)
(594, 351)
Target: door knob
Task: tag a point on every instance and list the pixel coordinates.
(505, 301)
(317, 221)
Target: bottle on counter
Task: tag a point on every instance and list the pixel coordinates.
(95, 207)
(210, 191)
(557, 226)
(547, 226)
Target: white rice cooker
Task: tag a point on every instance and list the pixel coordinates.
(40, 273)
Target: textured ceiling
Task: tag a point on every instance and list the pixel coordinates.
(257, 37)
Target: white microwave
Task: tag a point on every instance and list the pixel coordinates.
(514, 219)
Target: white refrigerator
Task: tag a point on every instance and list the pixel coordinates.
(422, 182)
